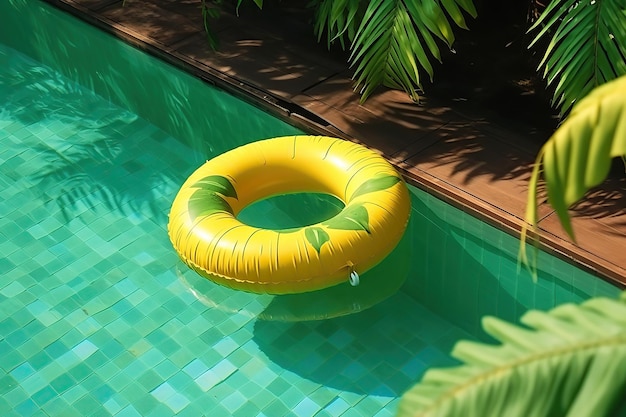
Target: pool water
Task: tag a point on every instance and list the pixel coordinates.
(100, 317)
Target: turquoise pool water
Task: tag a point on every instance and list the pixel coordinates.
(99, 317)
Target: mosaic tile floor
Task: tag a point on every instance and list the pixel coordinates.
(100, 318)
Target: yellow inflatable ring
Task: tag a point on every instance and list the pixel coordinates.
(207, 235)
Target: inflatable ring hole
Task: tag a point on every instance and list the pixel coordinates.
(288, 211)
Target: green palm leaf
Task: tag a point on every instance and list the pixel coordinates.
(578, 156)
(338, 19)
(393, 41)
(570, 361)
(587, 46)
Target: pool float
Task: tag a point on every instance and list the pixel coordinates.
(208, 237)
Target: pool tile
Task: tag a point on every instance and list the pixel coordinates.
(195, 368)
(44, 395)
(247, 409)
(79, 373)
(183, 356)
(58, 407)
(276, 408)
(27, 408)
(129, 411)
(177, 402)
(62, 383)
(166, 369)
(86, 404)
(306, 407)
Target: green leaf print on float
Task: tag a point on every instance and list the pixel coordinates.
(375, 184)
(351, 218)
(208, 200)
(316, 236)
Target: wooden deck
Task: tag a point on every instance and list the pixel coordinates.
(476, 154)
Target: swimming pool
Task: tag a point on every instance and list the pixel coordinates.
(100, 317)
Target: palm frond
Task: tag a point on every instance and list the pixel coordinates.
(578, 156)
(395, 41)
(587, 46)
(338, 19)
(569, 361)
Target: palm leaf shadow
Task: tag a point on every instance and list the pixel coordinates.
(86, 153)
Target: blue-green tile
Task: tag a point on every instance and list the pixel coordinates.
(61, 383)
(7, 383)
(86, 404)
(80, 372)
(27, 408)
(103, 393)
(44, 395)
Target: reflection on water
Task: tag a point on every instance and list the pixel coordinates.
(85, 154)
(381, 351)
(294, 210)
(76, 150)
